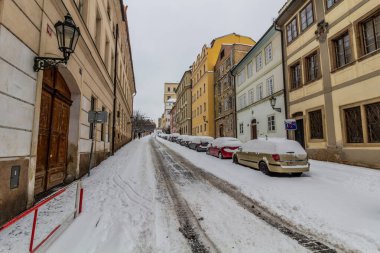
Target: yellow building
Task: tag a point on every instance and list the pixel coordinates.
(203, 117)
(332, 65)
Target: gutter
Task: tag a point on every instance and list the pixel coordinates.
(115, 90)
(283, 73)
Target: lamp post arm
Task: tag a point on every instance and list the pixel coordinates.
(41, 63)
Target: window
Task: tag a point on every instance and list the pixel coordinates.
(353, 122)
(271, 123)
(102, 130)
(295, 76)
(222, 54)
(204, 106)
(268, 53)
(371, 34)
(205, 127)
(250, 70)
(331, 3)
(259, 92)
(259, 62)
(200, 108)
(373, 122)
(342, 46)
(92, 108)
(220, 108)
(270, 86)
(98, 31)
(307, 16)
(251, 96)
(204, 88)
(291, 30)
(312, 67)
(241, 128)
(241, 77)
(316, 124)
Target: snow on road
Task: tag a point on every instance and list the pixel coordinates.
(122, 212)
(338, 203)
(127, 209)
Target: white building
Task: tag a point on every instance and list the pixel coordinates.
(258, 78)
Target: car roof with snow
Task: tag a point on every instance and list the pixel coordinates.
(226, 142)
(273, 146)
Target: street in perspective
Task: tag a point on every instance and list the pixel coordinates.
(189, 126)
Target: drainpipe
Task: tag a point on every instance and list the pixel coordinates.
(115, 91)
(283, 74)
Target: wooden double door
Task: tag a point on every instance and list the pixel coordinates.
(53, 132)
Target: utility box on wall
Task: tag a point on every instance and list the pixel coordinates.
(15, 177)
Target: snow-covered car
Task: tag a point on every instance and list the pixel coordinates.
(224, 147)
(164, 136)
(200, 143)
(185, 140)
(180, 138)
(273, 155)
(173, 137)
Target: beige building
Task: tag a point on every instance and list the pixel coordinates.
(183, 113)
(332, 65)
(45, 141)
(170, 98)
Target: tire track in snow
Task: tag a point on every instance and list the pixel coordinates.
(254, 207)
(189, 225)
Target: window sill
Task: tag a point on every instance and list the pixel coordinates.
(364, 57)
(343, 67)
(294, 89)
(313, 81)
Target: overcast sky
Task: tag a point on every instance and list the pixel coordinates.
(167, 35)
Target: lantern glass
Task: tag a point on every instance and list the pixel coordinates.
(67, 35)
(273, 102)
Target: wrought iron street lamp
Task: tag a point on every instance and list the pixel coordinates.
(272, 101)
(67, 36)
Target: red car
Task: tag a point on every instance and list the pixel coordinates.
(223, 147)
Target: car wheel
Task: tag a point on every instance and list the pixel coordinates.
(235, 159)
(220, 155)
(207, 152)
(264, 168)
(298, 174)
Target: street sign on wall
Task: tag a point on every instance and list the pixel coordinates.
(97, 117)
(291, 124)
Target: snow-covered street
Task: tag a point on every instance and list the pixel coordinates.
(156, 196)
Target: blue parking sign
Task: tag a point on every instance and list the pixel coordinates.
(291, 124)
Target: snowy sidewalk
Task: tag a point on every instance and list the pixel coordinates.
(337, 202)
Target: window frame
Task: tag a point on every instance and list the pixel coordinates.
(364, 124)
(310, 138)
(289, 24)
(317, 63)
(271, 123)
(313, 16)
(271, 53)
(292, 87)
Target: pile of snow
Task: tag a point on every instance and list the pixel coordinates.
(226, 142)
(175, 134)
(274, 146)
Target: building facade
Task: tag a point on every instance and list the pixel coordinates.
(224, 89)
(183, 118)
(258, 78)
(170, 98)
(173, 116)
(332, 71)
(203, 116)
(46, 140)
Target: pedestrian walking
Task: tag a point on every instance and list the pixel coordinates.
(139, 135)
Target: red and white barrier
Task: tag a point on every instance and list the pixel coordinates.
(45, 242)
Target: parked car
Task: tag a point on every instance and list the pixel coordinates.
(200, 143)
(273, 155)
(180, 138)
(185, 140)
(223, 147)
(173, 137)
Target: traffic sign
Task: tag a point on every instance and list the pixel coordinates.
(291, 124)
